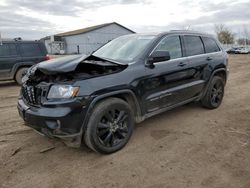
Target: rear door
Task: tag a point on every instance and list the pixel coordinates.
(9, 56)
(197, 62)
(32, 52)
(213, 51)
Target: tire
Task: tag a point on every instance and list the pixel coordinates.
(214, 94)
(19, 74)
(110, 126)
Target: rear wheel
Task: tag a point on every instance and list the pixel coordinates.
(110, 126)
(215, 93)
(19, 74)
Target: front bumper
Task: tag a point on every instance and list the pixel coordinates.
(56, 120)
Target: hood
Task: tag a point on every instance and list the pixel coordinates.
(60, 65)
(67, 63)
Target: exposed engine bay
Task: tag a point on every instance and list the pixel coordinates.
(39, 78)
(85, 69)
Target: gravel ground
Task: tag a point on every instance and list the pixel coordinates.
(186, 147)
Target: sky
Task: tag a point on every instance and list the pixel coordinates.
(33, 19)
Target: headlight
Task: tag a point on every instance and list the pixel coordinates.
(62, 92)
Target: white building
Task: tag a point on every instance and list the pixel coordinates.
(84, 40)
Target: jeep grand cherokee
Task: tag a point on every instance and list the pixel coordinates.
(97, 99)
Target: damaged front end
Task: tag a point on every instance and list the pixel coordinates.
(52, 104)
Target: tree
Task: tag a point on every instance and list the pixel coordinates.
(243, 41)
(246, 33)
(224, 35)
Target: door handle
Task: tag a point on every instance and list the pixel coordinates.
(181, 64)
(209, 58)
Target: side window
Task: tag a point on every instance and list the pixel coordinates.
(193, 45)
(210, 45)
(4, 50)
(30, 49)
(171, 44)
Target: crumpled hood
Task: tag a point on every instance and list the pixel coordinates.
(61, 65)
(66, 64)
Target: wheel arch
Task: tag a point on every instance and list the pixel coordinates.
(17, 66)
(126, 95)
(222, 72)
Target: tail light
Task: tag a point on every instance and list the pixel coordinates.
(46, 57)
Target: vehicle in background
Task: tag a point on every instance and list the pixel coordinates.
(242, 50)
(97, 99)
(232, 50)
(17, 55)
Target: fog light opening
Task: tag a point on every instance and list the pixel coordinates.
(53, 124)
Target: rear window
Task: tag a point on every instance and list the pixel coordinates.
(193, 45)
(30, 49)
(210, 45)
(8, 50)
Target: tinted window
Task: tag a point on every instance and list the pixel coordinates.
(210, 45)
(8, 50)
(193, 45)
(30, 49)
(4, 50)
(171, 44)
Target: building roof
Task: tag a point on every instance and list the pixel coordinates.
(88, 29)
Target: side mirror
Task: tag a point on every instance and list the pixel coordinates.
(158, 56)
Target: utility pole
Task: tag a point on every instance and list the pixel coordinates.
(1, 42)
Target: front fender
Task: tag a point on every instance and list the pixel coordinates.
(111, 94)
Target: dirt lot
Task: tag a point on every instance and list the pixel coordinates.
(187, 147)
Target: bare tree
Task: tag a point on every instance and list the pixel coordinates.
(224, 35)
(246, 34)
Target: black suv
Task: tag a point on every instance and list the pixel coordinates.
(17, 55)
(97, 99)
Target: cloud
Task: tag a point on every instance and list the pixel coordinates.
(234, 15)
(35, 19)
(67, 7)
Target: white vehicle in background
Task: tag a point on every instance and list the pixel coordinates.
(242, 50)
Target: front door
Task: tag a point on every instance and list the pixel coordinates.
(171, 82)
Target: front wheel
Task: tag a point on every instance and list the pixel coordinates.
(214, 94)
(110, 126)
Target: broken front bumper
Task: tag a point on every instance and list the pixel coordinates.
(56, 120)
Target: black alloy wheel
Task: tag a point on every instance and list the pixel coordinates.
(217, 93)
(113, 127)
(110, 126)
(214, 94)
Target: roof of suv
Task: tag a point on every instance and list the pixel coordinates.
(175, 32)
(18, 40)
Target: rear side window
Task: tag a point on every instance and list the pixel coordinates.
(8, 50)
(210, 45)
(193, 45)
(30, 49)
(171, 44)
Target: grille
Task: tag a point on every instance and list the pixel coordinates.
(32, 94)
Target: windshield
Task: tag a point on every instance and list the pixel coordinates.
(125, 48)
